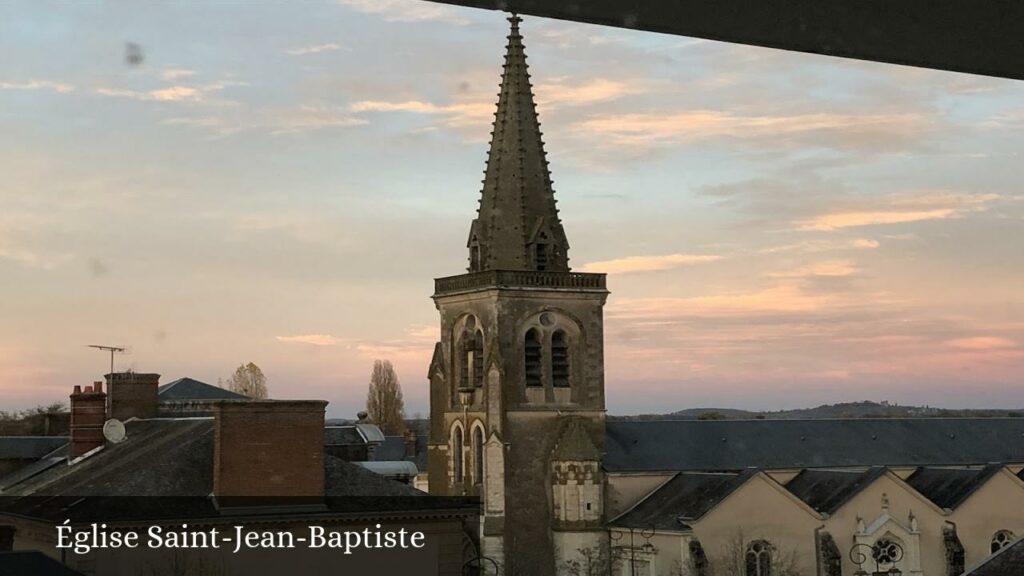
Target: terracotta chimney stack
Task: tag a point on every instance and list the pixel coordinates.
(131, 394)
(88, 413)
(269, 448)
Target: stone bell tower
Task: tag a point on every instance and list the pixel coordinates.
(517, 407)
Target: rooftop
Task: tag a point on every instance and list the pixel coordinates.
(686, 496)
(721, 445)
(189, 389)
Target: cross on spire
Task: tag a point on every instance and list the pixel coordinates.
(517, 225)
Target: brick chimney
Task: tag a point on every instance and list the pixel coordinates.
(410, 443)
(268, 448)
(88, 413)
(131, 394)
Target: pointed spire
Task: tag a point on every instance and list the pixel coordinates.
(517, 225)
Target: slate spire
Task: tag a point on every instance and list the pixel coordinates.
(517, 225)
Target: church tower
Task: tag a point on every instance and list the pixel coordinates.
(517, 408)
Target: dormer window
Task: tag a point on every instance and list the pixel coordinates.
(541, 256)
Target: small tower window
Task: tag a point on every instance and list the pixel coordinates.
(457, 455)
(541, 256)
(474, 258)
(478, 455)
(532, 358)
(559, 359)
(478, 359)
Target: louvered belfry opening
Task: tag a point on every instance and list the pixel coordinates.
(532, 358)
(559, 359)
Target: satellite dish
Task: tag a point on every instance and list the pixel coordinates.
(113, 431)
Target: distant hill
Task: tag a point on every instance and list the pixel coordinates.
(864, 409)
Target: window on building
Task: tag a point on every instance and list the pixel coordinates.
(457, 454)
(1001, 540)
(559, 359)
(759, 559)
(478, 359)
(532, 358)
(478, 455)
(541, 256)
(886, 552)
(474, 258)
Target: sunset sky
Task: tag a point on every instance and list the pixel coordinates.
(280, 184)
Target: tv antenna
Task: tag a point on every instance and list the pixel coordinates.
(112, 350)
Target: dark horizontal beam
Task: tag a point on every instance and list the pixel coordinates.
(974, 36)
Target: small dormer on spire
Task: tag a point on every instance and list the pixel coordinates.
(517, 225)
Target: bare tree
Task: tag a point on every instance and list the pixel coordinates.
(248, 380)
(384, 399)
(735, 559)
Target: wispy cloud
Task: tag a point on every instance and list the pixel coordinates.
(62, 87)
(824, 246)
(833, 268)
(652, 129)
(935, 206)
(981, 343)
(314, 49)
(276, 122)
(176, 73)
(558, 91)
(648, 263)
(312, 339)
(407, 11)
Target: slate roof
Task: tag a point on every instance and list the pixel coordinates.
(170, 458)
(342, 436)
(32, 563)
(29, 447)
(1007, 562)
(174, 457)
(948, 487)
(827, 490)
(686, 496)
(189, 389)
(393, 449)
(717, 445)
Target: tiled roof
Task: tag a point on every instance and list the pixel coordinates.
(174, 457)
(189, 389)
(717, 445)
(949, 487)
(393, 449)
(827, 490)
(29, 447)
(686, 496)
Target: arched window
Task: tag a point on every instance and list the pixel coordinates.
(478, 359)
(559, 359)
(478, 455)
(1001, 540)
(532, 358)
(457, 454)
(759, 558)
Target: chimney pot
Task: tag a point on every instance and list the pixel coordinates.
(88, 413)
